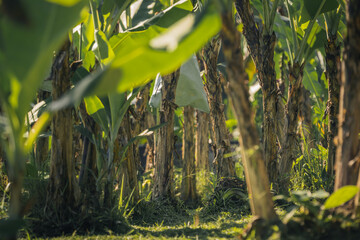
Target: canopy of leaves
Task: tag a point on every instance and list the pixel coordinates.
(27, 41)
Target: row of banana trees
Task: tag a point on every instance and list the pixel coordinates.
(280, 122)
(106, 53)
(96, 73)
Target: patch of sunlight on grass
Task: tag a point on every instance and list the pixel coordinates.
(223, 226)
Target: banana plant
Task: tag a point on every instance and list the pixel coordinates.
(332, 21)
(237, 89)
(306, 36)
(109, 112)
(27, 42)
(261, 41)
(97, 40)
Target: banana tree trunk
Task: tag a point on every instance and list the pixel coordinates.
(348, 149)
(305, 119)
(63, 192)
(150, 145)
(202, 140)
(128, 168)
(290, 147)
(255, 172)
(261, 48)
(188, 188)
(270, 98)
(280, 105)
(332, 50)
(140, 123)
(164, 159)
(225, 167)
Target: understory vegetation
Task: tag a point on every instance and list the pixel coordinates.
(185, 119)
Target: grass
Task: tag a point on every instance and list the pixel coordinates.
(301, 213)
(223, 226)
(223, 213)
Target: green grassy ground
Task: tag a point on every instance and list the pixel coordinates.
(222, 226)
(222, 212)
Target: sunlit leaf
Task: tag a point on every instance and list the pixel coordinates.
(116, 104)
(89, 60)
(133, 52)
(144, 15)
(96, 110)
(102, 48)
(316, 40)
(26, 51)
(341, 196)
(170, 40)
(65, 3)
(310, 81)
(88, 30)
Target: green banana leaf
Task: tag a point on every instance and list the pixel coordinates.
(27, 43)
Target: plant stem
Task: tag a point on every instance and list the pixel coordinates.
(272, 15)
(292, 26)
(266, 16)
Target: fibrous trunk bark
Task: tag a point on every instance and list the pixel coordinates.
(150, 145)
(164, 159)
(128, 168)
(289, 149)
(256, 177)
(188, 185)
(63, 189)
(140, 123)
(305, 116)
(261, 47)
(332, 50)
(282, 92)
(270, 98)
(202, 140)
(348, 149)
(224, 167)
